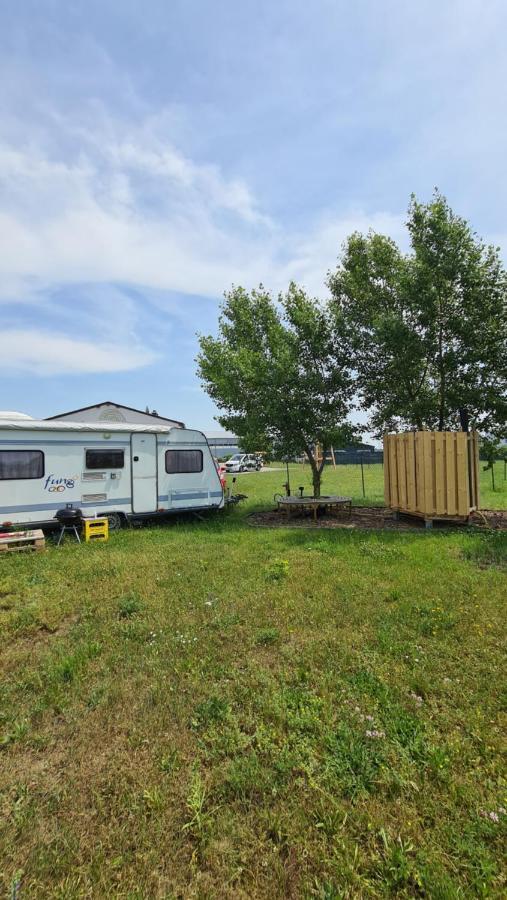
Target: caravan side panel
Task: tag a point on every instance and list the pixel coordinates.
(188, 477)
(75, 469)
(92, 469)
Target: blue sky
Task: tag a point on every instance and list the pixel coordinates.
(152, 154)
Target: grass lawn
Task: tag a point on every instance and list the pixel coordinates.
(347, 481)
(211, 710)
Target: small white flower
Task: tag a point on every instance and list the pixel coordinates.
(492, 816)
(416, 698)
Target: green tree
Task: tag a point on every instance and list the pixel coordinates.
(278, 373)
(427, 329)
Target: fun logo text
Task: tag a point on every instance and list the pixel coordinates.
(53, 484)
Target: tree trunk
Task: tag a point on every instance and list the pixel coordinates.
(316, 478)
(442, 386)
(316, 473)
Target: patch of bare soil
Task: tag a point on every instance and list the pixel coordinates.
(490, 518)
(373, 517)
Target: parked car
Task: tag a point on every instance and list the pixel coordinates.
(243, 462)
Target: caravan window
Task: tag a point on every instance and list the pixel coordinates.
(179, 462)
(21, 464)
(105, 459)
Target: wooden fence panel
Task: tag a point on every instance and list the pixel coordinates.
(431, 473)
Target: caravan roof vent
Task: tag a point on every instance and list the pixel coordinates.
(110, 414)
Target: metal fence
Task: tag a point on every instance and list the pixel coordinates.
(351, 457)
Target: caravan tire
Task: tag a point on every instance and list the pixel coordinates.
(116, 521)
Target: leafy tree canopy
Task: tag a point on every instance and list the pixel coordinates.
(279, 373)
(427, 330)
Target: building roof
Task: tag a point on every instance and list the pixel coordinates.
(118, 406)
(220, 436)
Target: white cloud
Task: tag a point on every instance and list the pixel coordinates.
(127, 207)
(115, 204)
(40, 353)
(110, 202)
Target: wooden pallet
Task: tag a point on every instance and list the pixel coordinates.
(23, 540)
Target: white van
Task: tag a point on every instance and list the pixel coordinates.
(244, 462)
(120, 470)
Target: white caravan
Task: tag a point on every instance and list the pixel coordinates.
(122, 470)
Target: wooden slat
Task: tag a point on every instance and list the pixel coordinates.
(451, 474)
(394, 472)
(404, 456)
(411, 473)
(473, 467)
(14, 536)
(462, 473)
(400, 467)
(22, 540)
(387, 472)
(427, 447)
(439, 472)
(471, 472)
(475, 439)
(419, 452)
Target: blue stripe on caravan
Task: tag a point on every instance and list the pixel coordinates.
(188, 495)
(34, 507)
(122, 501)
(183, 445)
(77, 443)
(185, 495)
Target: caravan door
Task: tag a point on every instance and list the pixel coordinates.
(143, 448)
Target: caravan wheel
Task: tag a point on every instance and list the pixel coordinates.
(115, 521)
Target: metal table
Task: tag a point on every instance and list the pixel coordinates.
(332, 504)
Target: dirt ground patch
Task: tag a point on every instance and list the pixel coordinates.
(373, 517)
